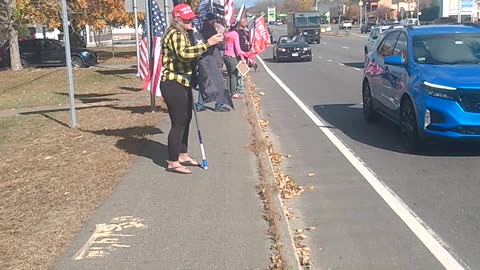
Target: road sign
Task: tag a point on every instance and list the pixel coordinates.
(271, 16)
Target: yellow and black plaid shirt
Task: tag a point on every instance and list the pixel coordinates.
(177, 56)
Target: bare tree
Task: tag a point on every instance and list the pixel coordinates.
(7, 26)
(353, 11)
(383, 12)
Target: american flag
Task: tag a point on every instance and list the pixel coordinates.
(251, 29)
(229, 12)
(241, 12)
(158, 28)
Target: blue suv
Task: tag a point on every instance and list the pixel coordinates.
(427, 80)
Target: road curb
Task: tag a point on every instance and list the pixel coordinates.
(286, 238)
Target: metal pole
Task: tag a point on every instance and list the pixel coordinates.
(165, 6)
(459, 15)
(360, 20)
(418, 10)
(68, 60)
(136, 36)
(148, 25)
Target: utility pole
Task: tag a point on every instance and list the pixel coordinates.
(68, 61)
(360, 4)
(459, 15)
(136, 36)
(418, 10)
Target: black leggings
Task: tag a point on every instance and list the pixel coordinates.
(179, 101)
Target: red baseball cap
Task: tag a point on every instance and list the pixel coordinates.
(183, 11)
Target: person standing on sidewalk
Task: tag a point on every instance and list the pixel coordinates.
(244, 45)
(178, 58)
(210, 79)
(232, 53)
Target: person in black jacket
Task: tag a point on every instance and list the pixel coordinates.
(210, 80)
(245, 45)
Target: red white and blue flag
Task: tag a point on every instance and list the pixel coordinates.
(151, 60)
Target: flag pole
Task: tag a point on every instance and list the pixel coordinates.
(148, 25)
(136, 37)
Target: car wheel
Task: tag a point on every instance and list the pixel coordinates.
(77, 61)
(369, 113)
(408, 126)
(366, 51)
(23, 63)
(309, 59)
(318, 41)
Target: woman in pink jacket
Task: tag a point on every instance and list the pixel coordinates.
(232, 53)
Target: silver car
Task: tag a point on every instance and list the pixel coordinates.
(376, 33)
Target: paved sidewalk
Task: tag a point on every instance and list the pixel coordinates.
(158, 220)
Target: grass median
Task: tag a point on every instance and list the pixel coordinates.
(53, 177)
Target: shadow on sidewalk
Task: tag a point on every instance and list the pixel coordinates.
(140, 109)
(132, 141)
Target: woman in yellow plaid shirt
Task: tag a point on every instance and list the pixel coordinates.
(178, 57)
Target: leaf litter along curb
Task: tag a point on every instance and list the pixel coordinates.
(285, 184)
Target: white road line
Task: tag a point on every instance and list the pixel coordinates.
(324, 43)
(329, 60)
(358, 69)
(347, 48)
(429, 238)
(342, 64)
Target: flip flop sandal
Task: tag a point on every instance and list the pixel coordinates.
(192, 163)
(177, 170)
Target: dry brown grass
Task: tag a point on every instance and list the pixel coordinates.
(117, 55)
(48, 86)
(53, 177)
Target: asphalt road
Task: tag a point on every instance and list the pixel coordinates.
(356, 227)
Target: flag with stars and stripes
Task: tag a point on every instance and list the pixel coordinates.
(251, 29)
(151, 58)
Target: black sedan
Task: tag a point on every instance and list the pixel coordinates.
(292, 48)
(48, 52)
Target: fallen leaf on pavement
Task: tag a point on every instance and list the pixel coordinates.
(311, 228)
(311, 174)
(311, 187)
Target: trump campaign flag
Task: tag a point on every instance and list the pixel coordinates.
(261, 38)
(151, 58)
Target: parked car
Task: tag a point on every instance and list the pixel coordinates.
(346, 24)
(410, 21)
(48, 52)
(425, 79)
(376, 33)
(292, 48)
(367, 28)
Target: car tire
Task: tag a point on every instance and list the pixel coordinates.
(23, 63)
(369, 113)
(309, 59)
(318, 41)
(366, 51)
(77, 61)
(408, 126)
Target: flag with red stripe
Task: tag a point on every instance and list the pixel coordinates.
(229, 12)
(151, 58)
